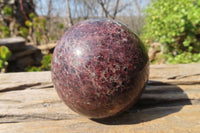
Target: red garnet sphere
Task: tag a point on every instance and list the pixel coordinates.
(99, 68)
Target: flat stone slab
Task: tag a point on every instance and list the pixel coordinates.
(170, 103)
(13, 43)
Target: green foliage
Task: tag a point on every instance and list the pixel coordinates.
(5, 53)
(39, 27)
(7, 11)
(32, 15)
(23, 31)
(61, 26)
(32, 69)
(183, 58)
(43, 23)
(4, 31)
(28, 23)
(46, 64)
(35, 29)
(52, 38)
(176, 25)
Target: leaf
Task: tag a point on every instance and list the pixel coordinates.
(5, 53)
(186, 43)
(28, 23)
(1, 64)
(23, 31)
(7, 10)
(31, 15)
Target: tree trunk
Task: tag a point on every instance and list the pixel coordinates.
(69, 17)
(116, 9)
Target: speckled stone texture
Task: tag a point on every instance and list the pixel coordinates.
(99, 68)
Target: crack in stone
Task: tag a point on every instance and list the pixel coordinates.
(10, 101)
(28, 86)
(183, 76)
(35, 117)
(173, 82)
(20, 87)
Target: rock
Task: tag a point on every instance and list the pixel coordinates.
(50, 46)
(37, 56)
(24, 62)
(106, 62)
(153, 51)
(14, 43)
(30, 56)
(47, 49)
(29, 50)
(22, 55)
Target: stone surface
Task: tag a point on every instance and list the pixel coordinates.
(22, 55)
(170, 103)
(47, 48)
(99, 68)
(154, 51)
(13, 43)
(29, 56)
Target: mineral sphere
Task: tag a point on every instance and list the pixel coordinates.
(99, 68)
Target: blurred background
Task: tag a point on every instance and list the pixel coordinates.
(30, 29)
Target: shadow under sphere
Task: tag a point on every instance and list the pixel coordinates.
(158, 100)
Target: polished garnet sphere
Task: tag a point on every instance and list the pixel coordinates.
(99, 68)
